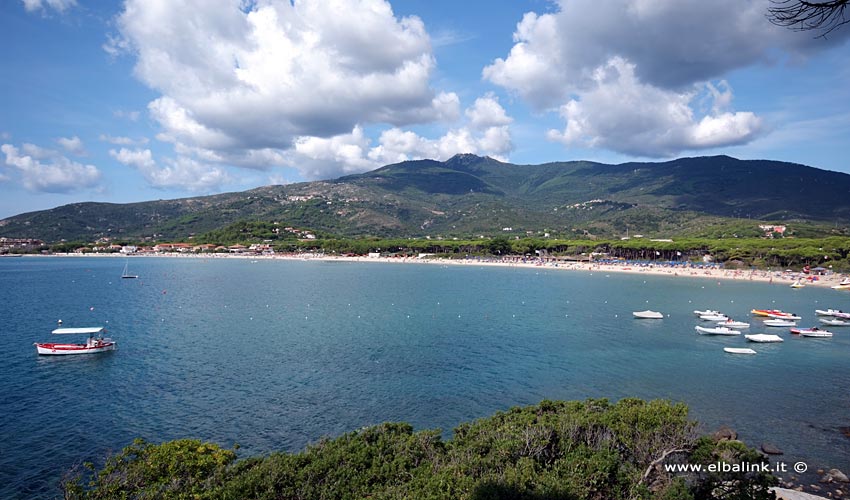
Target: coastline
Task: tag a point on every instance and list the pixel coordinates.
(758, 275)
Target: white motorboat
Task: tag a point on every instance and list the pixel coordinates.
(827, 312)
(708, 312)
(738, 350)
(730, 323)
(816, 333)
(763, 338)
(779, 322)
(95, 343)
(834, 322)
(844, 285)
(720, 330)
(714, 317)
(648, 314)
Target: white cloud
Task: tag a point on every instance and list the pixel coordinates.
(59, 6)
(133, 116)
(237, 76)
(564, 59)
(180, 173)
(487, 112)
(325, 158)
(44, 170)
(72, 145)
(122, 140)
(625, 115)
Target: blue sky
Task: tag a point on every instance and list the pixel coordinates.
(156, 99)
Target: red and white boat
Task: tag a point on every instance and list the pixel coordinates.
(95, 343)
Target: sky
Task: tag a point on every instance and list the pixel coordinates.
(158, 99)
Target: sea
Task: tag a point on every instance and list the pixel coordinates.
(273, 355)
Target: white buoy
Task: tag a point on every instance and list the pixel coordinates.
(60, 321)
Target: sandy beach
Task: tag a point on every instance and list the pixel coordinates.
(779, 278)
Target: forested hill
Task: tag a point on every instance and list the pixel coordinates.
(468, 195)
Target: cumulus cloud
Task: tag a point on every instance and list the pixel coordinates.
(45, 170)
(181, 173)
(72, 145)
(237, 75)
(654, 55)
(486, 133)
(625, 115)
(59, 6)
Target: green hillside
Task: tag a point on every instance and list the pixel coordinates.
(471, 195)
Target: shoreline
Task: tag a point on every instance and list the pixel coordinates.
(758, 275)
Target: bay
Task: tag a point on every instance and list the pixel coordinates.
(275, 354)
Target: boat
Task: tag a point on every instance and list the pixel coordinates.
(730, 323)
(764, 312)
(648, 314)
(816, 333)
(828, 312)
(714, 317)
(95, 343)
(783, 315)
(811, 332)
(798, 284)
(763, 338)
(738, 350)
(834, 322)
(844, 285)
(707, 312)
(779, 322)
(126, 274)
(842, 315)
(720, 330)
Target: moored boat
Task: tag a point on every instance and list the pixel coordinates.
(763, 338)
(96, 342)
(783, 315)
(648, 314)
(720, 330)
(730, 323)
(827, 312)
(779, 322)
(707, 312)
(764, 312)
(714, 317)
(738, 350)
(834, 322)
(816, 333)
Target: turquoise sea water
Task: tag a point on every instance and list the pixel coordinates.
(274, 355)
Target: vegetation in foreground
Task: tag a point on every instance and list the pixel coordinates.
(555, 450)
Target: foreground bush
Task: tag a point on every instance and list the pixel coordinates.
(554, 450)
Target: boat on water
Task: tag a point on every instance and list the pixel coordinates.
(714, 317)
(783, 315)
(730, 323)
(764, 312)
(648, 314)
(779, 322)
(763, 338)
(811, 332)
(708, 312)
(738, 350)
(834, 322)
(126, 274)
(817, 334)
(798, 284)
(828, 312)
(94, 344)
(844, 285)
(720, 330)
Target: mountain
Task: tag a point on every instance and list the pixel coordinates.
(469, 195)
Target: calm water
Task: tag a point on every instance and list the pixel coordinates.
(275, 354)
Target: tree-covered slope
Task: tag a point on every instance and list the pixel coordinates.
(468, 195)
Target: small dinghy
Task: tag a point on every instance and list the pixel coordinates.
(720, 330)
(648, 315)
(738, 350)
(763, 338)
